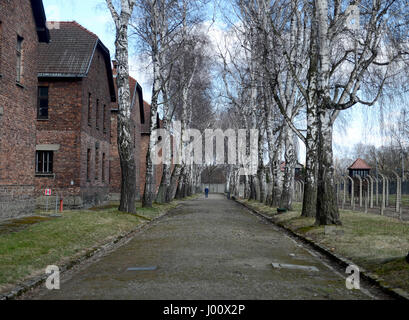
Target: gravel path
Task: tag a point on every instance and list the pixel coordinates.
(206, 249)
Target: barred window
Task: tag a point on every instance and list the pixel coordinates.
(1, 43)
(42, 103)
(88, 164)
(89, 109)
(103, 167)
(104, 119)
(96, 163)
(97, 115)
(44, 162)
(19, 54)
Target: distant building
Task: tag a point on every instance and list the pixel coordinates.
(215, 179)
(138, 118)
(359, 168)
(75, 93)
(22, 29)
(298, 169)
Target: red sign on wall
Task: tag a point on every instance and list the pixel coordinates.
(47, 192)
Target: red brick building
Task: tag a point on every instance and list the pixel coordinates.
(138, 119)
(22, 28)
(145, 136)
(75, 93)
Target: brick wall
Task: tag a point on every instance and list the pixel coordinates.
(17, 109)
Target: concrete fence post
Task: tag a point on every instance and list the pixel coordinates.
(360, 190)
(387, 191)
(371, 195)
(383, 193)
(366, 202)
(398, 192)
(345, 192)
(377, 191)
(337, 189)
(302, 190)
(352, 193)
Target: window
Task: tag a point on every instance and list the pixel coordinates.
(89, 108)
(96, 162)
(104, 119)
(19, 53)
(88, 164)
(44, 162)
(97, 115)
(103, 167)
(42, 103)
(1, 41)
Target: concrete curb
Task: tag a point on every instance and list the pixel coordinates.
(372, 278)
(35, 282)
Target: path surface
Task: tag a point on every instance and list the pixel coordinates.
(206, 249)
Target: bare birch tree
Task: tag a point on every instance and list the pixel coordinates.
(121, 17)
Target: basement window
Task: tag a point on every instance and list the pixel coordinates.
(44, 162)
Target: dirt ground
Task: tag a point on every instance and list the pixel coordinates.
(206, 249)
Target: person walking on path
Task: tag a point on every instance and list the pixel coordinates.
(207, 192)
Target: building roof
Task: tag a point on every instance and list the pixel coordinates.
(40, 20)
(359, 164)
(70, 52)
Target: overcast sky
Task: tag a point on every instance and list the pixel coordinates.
(358, 126)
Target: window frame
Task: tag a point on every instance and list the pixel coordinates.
(97, 115)
(39, 98)
(103, 167)
(19, 59)
(47, 164)
(89, 108)
(104, 119)
(96, 175)
(88, 175)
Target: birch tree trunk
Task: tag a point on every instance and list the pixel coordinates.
(166, 166)
(261, 175)
(290, 160)
(277, 175)
(150, 184)
(125, 141)
(327, 207)
(311, 164)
